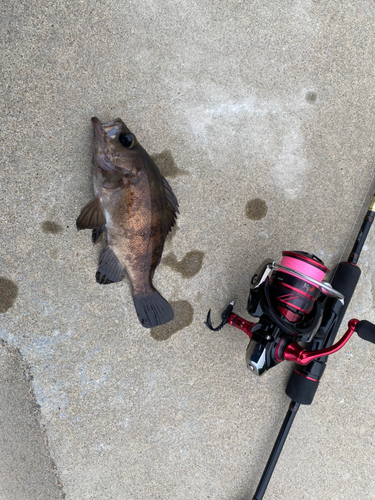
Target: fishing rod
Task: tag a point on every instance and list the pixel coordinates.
(295, 304)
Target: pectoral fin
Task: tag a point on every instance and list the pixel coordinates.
(171, 208)
(110, 270)
(91, 216)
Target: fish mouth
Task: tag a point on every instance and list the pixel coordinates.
(98, 130)
(111, 129)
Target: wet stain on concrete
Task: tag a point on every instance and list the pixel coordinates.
(167, 165)
(50, 227)
(256, 209)
(189, 266)
(8, 294)
(311, 97)
(183, 317)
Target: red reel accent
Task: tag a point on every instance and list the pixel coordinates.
(241, 324)
(294, 352)
(289, 315)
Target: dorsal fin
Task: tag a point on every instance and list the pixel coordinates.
(172, 206)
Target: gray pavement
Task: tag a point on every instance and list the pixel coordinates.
(27, 471)
(261, 117)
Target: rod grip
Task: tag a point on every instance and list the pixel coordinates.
(301, 388)
(344, 281)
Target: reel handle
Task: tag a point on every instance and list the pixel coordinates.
(366, 331)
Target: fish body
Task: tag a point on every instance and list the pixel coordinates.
(137, 207)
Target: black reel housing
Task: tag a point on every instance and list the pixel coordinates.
(289, 301)
(291, 306)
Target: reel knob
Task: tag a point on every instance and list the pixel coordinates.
(366, 331)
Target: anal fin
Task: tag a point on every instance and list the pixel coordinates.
(110, 270)
(91, 216)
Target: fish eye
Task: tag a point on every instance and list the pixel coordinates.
(127, 140)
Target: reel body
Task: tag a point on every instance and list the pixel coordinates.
(294, 304)
(290, 300)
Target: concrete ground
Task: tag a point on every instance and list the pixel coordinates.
(27, 471)
(261, 117)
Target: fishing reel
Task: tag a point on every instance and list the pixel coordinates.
(294, 304)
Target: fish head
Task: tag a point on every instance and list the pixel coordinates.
(116, 147)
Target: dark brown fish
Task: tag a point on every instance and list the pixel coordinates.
(137, 207)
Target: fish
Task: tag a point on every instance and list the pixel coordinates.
(137, 208)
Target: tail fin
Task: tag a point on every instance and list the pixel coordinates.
(152, 309)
